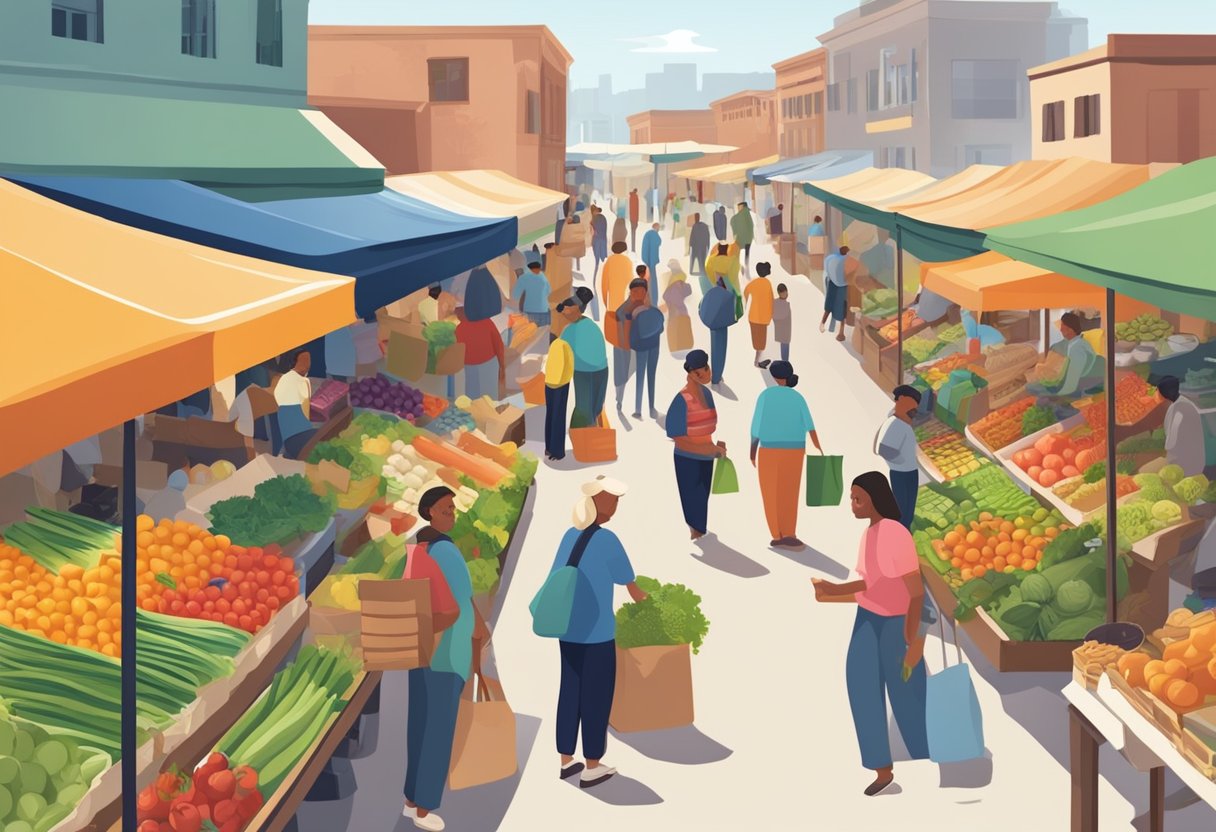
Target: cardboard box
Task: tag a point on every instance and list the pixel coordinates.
(396, 626)
(149, 474)
(507, 425)
(328, 473)
(242, 483)
(406, 356)
(450, 361)
(653, 689)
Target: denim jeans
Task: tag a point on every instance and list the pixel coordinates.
(785, 351)
(481, 379)
(585, 698)
(431, 726)
(717, 353)
(647, 366)
(622, 368)
(874, 674)
(905, 484)
(590, 391)
(694, 477)
(556, 399)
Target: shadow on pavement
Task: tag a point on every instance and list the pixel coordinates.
(725, 392)
(619, 791)
(569, 463)
(717, 555)
(973, 774)
(815, 560)
(685, 746)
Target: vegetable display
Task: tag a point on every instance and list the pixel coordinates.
(215, 796)
(1037, 418)
(936, 374)
(450, 420)
(1059, 456)
(671, 614)
(1185, 675)
(1144, 327)
(339, 453)
(54, 539)
(280, 509)
(382, 393)
(1135, 398)
(439, 336)
(951, 454)
(43, 774)
(879, 303)
(1003, 426)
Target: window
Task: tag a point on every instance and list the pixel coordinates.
(817, 100)
(270, 33)
(915, 77)
(77, 20)
(1053, 121)
(872, 90)
(449, 79)
(834, 97)
(851, 97)
(532, 113)
(988, 154)
(198, 28)
(1087, 116)
(889, 79)
(985, 89)
(898, 157)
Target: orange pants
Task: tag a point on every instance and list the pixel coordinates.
(780, 486)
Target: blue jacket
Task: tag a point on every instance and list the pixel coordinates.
(718, 308)
(651, 243)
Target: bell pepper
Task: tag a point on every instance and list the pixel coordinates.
(221, 786)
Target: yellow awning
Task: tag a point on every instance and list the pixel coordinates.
(106, 322)
(732, 173)
(961, 182)
(991, 282)
(871, 185)
(483, 193)
(1025, 191)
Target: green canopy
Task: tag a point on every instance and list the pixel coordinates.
(1155, 243)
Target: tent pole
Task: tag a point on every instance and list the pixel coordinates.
(899, 304)
(127, 626)
(1046, 334)
(1112, 525)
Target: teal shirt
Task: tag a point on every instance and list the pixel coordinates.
(782, 419)
(1082, 363)
(534, 290)
(455, 651)
(587, 343)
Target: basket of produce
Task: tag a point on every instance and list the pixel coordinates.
(382, 393)
(1142, 328)
(451, 420)
(445, 357)
(1002, 427)
(1048, 370)
(1090, 661)
(654, 640)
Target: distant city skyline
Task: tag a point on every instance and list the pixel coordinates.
(632, 38)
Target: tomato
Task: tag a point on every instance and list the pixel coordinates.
(212, 592)
(184, 817)
(223, 605)
(270, 562)
(272, 603)
(263, 594)
(238, 606)
(287, 565)
(232, 619)
(177, 607)
(278, 578)
(149, 825)
(209, 606)
(193, 609)
(246, 622)
(285, 592)
(237, 576)
(244, 562)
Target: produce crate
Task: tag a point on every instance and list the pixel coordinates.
(1005, 457)
(1005, 655)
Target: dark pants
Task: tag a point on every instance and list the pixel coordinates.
(590, 391)
(747, 254)
(633, 236)
(588, 684)
(696, 265)
(905, 484)
(785, 351)
(647, 366)
(874, 673)
(431, 726)
(556, 399)
(693, 478)
(717, 353)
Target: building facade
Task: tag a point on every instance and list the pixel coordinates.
(747, 120)
(447, 97)
(937, 85)
(190, 50)
(672, 126)
(801, 103)
(1138, 99)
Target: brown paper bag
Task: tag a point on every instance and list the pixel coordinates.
(653, 688)
(396, 625)
(679, 333)
(483, 750)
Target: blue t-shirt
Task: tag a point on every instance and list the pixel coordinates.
(604, 566)
(587, 343)
(455, 651)
(677, 421)
(534, 289)
(782, 419)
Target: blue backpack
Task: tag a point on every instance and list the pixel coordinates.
(554, 604)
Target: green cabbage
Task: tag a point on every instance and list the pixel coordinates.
(1172, 474)
(1075, 629)
(1153, 488)
(1192, 488)
(1167, 511)
(1074, 597)
(1036, 588)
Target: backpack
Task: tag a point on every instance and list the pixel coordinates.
(420, 565)
(648, 324)
(554, 603)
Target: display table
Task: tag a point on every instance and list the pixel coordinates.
(1103, 715)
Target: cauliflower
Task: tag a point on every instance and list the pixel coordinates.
(1172, 474)
(1166, 511)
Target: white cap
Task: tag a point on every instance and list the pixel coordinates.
(602, 483)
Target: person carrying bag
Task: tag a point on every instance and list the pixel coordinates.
(954, 722)
(483, 750)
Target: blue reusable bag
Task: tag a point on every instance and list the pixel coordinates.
(954, 723)
(554, 603)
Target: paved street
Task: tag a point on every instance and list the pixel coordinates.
(773, 746)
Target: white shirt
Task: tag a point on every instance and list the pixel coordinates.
(242, 413)
(1184, 442)
(897, 444)
(292, 388)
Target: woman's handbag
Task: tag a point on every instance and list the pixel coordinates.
(954, 723)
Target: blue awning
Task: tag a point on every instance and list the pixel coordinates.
(827, 165)
(391, 243)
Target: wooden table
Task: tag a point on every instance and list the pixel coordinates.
(1104, 716)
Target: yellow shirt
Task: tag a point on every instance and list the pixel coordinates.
(559, 365)
(759, 293)
(618, 273)
(724, 265)
(428, 310)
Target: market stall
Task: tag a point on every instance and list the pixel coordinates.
(724, 183)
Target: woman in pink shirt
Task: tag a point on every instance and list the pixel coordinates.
(885, 653)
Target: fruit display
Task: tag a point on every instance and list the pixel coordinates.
(43, 774)
(936, 374)
(382, 393)
(451, 420)
(994, 543)
(1134, 399)
(78, 607)
(1037, 418)
(432, 406)
(890, 332)
(951, 455)
(281, 509)
(918, 349)
(1058, 456)
(1086, 496)
(1144, 327)
(1184, 677)
(215, 793)
(274, 734)
(1000, 427)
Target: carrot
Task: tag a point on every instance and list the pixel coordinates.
(484, 471)
(450, 477)
(469, 442)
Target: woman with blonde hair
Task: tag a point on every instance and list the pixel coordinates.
(588, 649)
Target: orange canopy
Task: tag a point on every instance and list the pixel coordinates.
(992, 282)
(106, 322)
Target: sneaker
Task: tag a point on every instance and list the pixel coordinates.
(792, 543)
(429, 823)
(571, 770)
(763, 365)
(408, 811)
(594, 776)
(637, 414)
(878, 787)
(823, 327)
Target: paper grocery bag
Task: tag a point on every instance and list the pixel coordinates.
(653, 688)
(679, 333)
(824, 480)
(483, 750)
(726, 480)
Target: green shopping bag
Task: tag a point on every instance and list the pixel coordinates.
(726, 481)
(824, 480)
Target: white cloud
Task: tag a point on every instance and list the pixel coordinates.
(677, 42)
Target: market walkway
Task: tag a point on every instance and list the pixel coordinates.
(773, 746)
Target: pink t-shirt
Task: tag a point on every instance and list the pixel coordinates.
(887, 554)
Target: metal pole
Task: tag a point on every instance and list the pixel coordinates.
(128, 740)
(899, 302)
(1046, 334)
(1112, 525)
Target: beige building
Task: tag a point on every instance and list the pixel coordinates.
(423, 98)
(1137, 99)
(801, 84)
(672, 126)
(747, 120)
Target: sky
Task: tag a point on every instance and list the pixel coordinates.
(604, 37)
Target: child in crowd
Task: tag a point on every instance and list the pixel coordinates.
(781, 321)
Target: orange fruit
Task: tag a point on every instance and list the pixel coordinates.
(1156, 684)
(1177, 668)
(1181, 694)
(972, 556)
(1132, 666)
